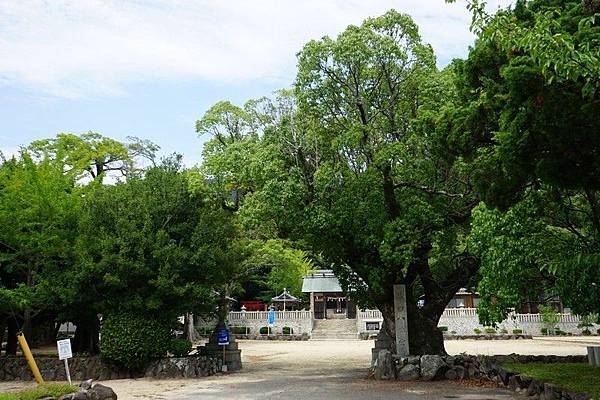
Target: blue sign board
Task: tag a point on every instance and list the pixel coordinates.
(271, 317)
(223, 337)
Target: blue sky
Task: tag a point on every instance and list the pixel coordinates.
(152, 68)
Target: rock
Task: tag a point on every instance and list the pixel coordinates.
(535, 388)
(451, 374)
(575, 395)
(85, 385)
(504, 375)
(460, 371)
(551, 392)
(409, 372)
(432, 366)
(101, 392)
(415, 360)
(514, 382)
(384, 366)
(75, 396)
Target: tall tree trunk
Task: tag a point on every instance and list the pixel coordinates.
(87, 335)
(11, 340)
(190, 331)
(424, 337)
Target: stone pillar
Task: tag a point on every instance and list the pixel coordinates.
(400, 319)
(232, 356)
(312, 302)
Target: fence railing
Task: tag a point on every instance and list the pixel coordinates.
(238, 316)
(369, 314)
(264, 315)
(472, 313)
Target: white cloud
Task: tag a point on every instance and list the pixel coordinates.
(86, 48)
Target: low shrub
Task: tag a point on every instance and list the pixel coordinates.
(443, 328)
(504, 331)
(205, 330)
(132, 341)
(180, 347)
(517, 331)
(544, 331)
(477, 331)
(586, 332)
(453, 332)
(240, 330)
(287, 330)
(46, 390)
(489, 330)
(264, 330)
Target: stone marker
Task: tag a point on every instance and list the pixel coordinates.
(401, 322)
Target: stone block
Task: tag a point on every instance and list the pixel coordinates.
(384, 366)
(432, 366)
(408, 372)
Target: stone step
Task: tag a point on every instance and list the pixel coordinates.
(334, 329)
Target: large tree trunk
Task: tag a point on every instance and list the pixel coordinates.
(189, 330)
(424, 337)
(87, 335)
(11, 340)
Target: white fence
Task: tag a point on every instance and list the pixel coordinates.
(462, 321)
(237, 316)
(300, 321)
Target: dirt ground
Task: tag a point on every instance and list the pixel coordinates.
(328, 370)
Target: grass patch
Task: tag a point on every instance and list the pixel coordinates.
(578, 377)
(45, 390)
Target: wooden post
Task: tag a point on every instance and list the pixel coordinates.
(401, 322)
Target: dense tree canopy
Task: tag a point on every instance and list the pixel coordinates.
(483, 175)
(527, 124)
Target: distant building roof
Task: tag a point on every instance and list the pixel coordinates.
(285, 296)
(323, 280)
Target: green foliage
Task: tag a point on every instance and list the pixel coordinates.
(477, 331)
(517, 331)
(286, 330)
(53, 390)
(528, 106)
(133, 341)
(180, 347)
(489, 330)
(240, 330)
(149, 245)
(39, 209)
(582, 378)
(92, 155)
(280, 265)
(264, 330)
(588, 321)
(443, 328)
(550, 318)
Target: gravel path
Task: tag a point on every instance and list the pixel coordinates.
(328, 370)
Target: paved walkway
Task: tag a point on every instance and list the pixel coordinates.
(328, 370)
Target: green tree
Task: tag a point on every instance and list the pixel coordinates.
(359, 175)
(526, 125)
(39, 208)
(92, 155)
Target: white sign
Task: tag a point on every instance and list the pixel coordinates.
(64, 349)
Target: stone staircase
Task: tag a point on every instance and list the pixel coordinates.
(334, 329)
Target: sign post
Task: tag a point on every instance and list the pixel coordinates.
(400, 320)
(64, 353)
(223, 340)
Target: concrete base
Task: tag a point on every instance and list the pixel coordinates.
(231, 356)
